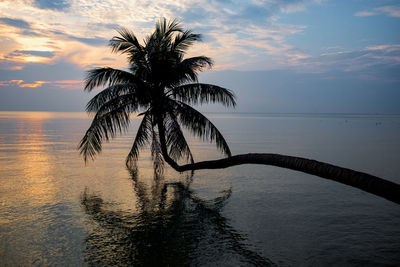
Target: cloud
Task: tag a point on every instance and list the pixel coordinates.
(235, 31)
(47, 54)
(15, 68)
(20, 83)
(108, 59)
(96, 41)
(365, 14)
(11, 82)
(54, 71)
(30, 33)
(380, 62)
(65, 84)
(391, 11)
(33, 85)
(102, 26)
(18, 23)
(24, 56)
(58, 5)
(6, 65)
(68, 84)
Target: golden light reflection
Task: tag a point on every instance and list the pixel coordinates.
(34, 160)
(41, 115)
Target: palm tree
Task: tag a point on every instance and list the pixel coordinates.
(161, 85)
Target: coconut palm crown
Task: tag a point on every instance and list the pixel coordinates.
(160, 85)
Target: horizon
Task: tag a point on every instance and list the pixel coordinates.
(219, 112)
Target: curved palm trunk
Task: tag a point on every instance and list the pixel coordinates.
(360, 180)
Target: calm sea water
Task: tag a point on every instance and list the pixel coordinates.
(55, 211)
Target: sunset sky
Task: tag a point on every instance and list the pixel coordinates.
(278, 56)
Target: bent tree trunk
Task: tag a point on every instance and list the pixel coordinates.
(360, 180)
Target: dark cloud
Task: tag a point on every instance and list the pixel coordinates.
(47, 54)
(224, 1)
(18, 23)
(96, 41)
(6, 65)
(58, 33)
(44, 98)
(110, 26)
(101, 26)
(60, 70)
(52, 4)
(30, 33)
(108, 58)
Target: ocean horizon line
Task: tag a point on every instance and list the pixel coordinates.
(232, 113)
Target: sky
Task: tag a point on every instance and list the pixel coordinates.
(294, 56)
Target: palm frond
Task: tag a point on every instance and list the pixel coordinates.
(104, 126)
(108, 94)
(142, 138)
(107, 77)
(156, 81)
(128, 103)
(199, 93)
(184, 40)
(188, 68)
(126, 43)
(178, 147)
(200, 126)
(196, 63)
(158, 44)
(166, 29)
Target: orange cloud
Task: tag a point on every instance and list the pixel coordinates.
(65, 84)
(33, 85)
(17, 81)
(68, 84)
(20, 83)
(16, 68)
(11, 82)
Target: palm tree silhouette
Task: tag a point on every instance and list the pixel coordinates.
(161, 84)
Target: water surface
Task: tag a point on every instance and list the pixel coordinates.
(54, 210)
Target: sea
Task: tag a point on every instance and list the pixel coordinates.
(55, 210)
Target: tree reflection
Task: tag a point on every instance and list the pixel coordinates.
(170, 227)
